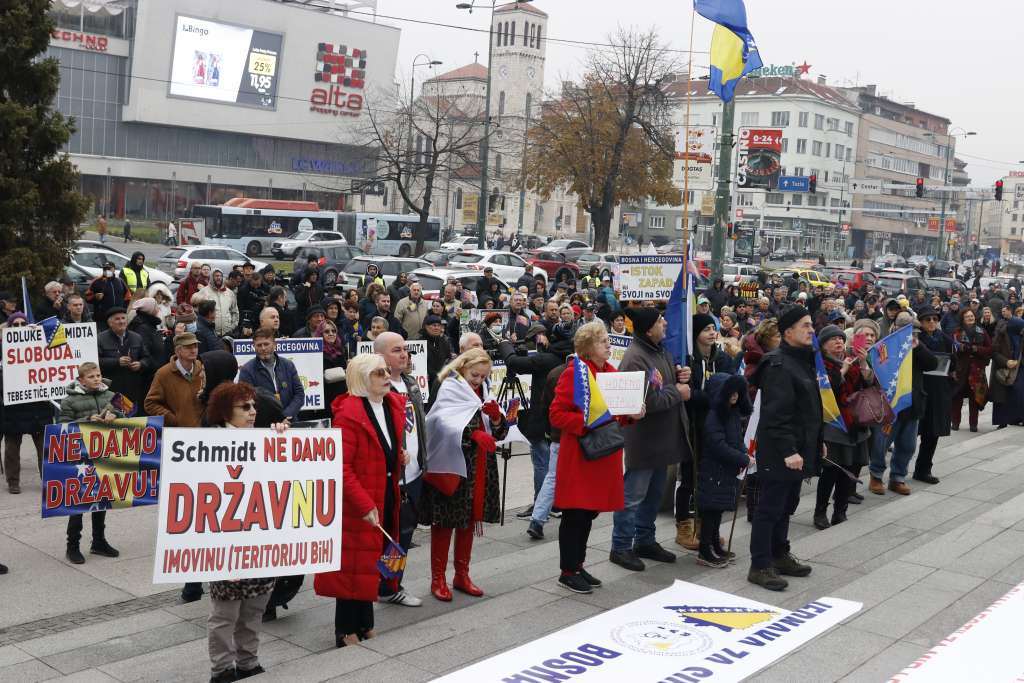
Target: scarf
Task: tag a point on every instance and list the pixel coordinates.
(332, 350)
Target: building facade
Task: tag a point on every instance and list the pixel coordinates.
(184, 102)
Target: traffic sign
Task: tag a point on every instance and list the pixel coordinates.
(739, 214)
(865, 186)
(794, 183)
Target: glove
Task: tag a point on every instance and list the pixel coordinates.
(484, 440)
(492, 410)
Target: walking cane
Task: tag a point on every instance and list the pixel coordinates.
(842, 469)
(736, 510)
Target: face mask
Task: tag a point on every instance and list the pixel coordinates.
(191, 327)
(495, 329)
(108, 273)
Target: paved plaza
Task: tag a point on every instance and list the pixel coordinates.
(921, 565)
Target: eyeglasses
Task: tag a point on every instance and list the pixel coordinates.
(330, 332)
(19, 324)
(380, 372)
(248, 405)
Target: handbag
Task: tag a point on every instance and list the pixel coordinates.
(1008, 376)
(871, 408)
(603, 441)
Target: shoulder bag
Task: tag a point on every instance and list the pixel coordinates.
(871, 408)
(603, 441)
(1008, 376)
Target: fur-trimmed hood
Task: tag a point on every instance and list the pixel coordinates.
(721, 386)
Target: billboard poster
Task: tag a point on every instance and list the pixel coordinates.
(694, 149)
(248, 504)
(308, 355)
(38, 369)
(647, 277)
(225, 63)
(759, 158)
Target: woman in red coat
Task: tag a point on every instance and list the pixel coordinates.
(372, 421)
(583, 488)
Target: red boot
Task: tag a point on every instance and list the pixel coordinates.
(463, 551)
(440, 541)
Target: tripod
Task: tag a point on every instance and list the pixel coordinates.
(511, 388)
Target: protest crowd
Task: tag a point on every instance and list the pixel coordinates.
(793, 365)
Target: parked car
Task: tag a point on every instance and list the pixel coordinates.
(853, 278)
(96, 244)
(92, 260)
(286, 248)
(178, 260)
(673, 247)
(940, 268)
(333, 260)
(917, 260)
(438, 257)
(735, 273)
(460, 243)
(944, 283)
(508, 266)
(812, 277)
(571, 248)
(532, 242)
(390, 267)
(884, 261)
(784, 256)
(433, 281)
(893, 282)
(554, 264)
(606, 261)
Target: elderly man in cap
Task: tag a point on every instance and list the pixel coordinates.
(790, 438)
(653, 443)
(124, 358)
(175, 390)
(483, 285)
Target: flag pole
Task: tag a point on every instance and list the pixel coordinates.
(686, 149)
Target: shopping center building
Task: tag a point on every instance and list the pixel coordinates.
(184, 102)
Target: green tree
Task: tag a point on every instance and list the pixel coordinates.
(40, 206)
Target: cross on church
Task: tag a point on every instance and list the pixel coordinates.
(476, 57)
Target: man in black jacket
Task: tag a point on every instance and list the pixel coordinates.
(124, 358)
(789, 442)
(206, 314)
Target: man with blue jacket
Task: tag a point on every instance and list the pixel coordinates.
(274, 373)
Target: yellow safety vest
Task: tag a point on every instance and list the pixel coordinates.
(129, 278)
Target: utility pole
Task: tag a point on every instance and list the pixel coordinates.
(722, 192)
(942, 216)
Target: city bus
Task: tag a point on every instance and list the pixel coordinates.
(388, 234)
(252, 225)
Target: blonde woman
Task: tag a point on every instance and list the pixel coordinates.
(463, 427)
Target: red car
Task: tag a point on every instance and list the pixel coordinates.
(854, 279)
(554, 264)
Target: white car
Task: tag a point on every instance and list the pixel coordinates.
(507, 266)
(735, 273)
(433, 281)
(286, 248)
(460, 243)
(179, 260)
(92, 260)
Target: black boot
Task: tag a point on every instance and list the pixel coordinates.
(821, 518)
(73, 553)
(101, 547)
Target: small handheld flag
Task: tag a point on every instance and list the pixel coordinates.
(54, 332)
(829, 405)
(124, 404)
(587, 396)
(392, 561)
(893, 363)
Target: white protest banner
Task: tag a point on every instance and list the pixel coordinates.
(308, 355)
(247, 504)
(417, 351)
(647, 276)
(623, 392)
(983, 649)
(683, 633)
(35, 372)
(620, 342)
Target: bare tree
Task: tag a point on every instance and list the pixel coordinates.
(610, 138)
(415, 144)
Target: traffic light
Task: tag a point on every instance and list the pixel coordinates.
(732, 231)
(812, 184)
(920, 188)
(999, 190)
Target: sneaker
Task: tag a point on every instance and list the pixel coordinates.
(727, 555)
(403, 598)
(899, 487)
(654, 551)
(245, 673)
(525, 513)
(535, 530)
(712, 561)
(927, 478)
(557, 514)
(788, 565)
(590, 578)
(767, 578)
(101, 547)
(576, 583)
(626, 559)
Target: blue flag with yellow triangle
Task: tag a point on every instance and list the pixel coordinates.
(893, 363)
(53, 329)
(587, 395)
(829, 405)
(733, 49)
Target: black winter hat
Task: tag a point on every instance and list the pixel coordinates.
(829, 332)
(791, 317)
(700, 321)
(643, 319)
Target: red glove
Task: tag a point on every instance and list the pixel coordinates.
(492, 410)
(484, 440)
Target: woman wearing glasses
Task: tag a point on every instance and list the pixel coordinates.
(335, 358)
(372, 422)
(236, 606)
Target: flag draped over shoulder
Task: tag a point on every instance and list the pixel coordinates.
(829, 405)
(893, 363)
(587, 396)
(733, 49)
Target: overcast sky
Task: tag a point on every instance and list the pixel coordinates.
(952, 58)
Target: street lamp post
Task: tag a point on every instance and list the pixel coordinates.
(412, 98)
(481, 209)
(945, 179)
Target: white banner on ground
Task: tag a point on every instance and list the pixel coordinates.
(34, 372)
(247, 504)
(620, 342)
(623, 392)
(647, 276)
(418, 354)
(983, 649)
(683, 633)
(308, 355)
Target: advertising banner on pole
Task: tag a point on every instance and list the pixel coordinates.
(417, 351)
(759, 158)
(91, 466)
(248, 504)
(648, 276)
(37, 369)
(695, 148)
(308, 356)
(685, 632)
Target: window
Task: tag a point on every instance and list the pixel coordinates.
(458, 198)
(538, 37)
(802, 119)
(658, 222)
(497, 36)
(527, 34)
(834, 203)
(1014, 218)
(501, 103)
(1016, 203)
(825, 179)
(799, 170)
(828, 149)
(780, 119)
(774, 198)
(849, 153)
(801, 146)
(849, 128)
(749, 118)
(833, 124)
(797, 199)
(819, 122)
(812, 200)
(785, 144)
(816, 148)
(840, 152)
(513, 34)
(497, 165)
